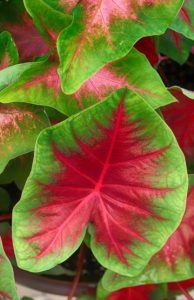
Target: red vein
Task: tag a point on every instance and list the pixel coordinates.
(59, 229)
(109, 154)
(153, 154)
(122, 204)
(65, 161)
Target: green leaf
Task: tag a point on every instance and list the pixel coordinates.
(8, 51)
(7, 284)
(39, 83)
(106, 31)
(49, 21)
(20, 125)
(175, 46)
(184, 21)
(11, 74)
(129, 213)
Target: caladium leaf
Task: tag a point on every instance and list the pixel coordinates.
(20, 126)
(14, 19)
(179, 116)
(39, 83)
(103, 31)
(7, 284)
(148, 47)
(143, 292)
(167, 264)
(115, 169)
(175, 46)
(8, 51)
(184, 22)
(45, 17)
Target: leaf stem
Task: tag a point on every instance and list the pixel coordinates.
(184, 292)
(80, 264)
(5, 217)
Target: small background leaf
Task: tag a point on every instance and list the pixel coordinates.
(8, 51)
(20, 126)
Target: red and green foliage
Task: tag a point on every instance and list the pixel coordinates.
(96, 146)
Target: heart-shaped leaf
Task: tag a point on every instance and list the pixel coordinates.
(39, 83)
(166, 265)
(115, 169)
(184, 22)
(103, 31)
(179, 116)
(175, 46)
(20, 126)
(7, 284)
(8, 51)
(14, 19)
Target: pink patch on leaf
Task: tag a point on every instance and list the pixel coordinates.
(104, 182)
(99, 15)
(49, 79)
(69, 4)
(103, 83)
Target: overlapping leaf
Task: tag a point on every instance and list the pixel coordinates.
(7, 285)
(8, 51)
(180, 116)
(175, 262)
(49, 21)
(175, 46)
(39, 84)
(184, 22)
(115, 169)
(20, 126)
(103, 31)
(147, 46)
(14, 19)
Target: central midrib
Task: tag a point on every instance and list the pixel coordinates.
(110, 150)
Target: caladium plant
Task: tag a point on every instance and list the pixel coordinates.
(95, 149)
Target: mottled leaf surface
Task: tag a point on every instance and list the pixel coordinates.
(105, 30)
(114, 169)
(175, 45)
(7, 284)
(15, 19)
(49, 21)
(180, 116)
(184, 22)
(8, 51)
(39, 83)
(20, 126)
(175, 262)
